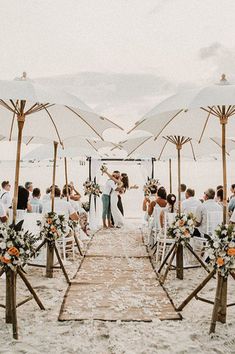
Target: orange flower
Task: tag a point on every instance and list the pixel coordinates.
(181, 223)
(49, 221)
(53, 229)
(231, 252)
(5, 260)
(13, 251)
(220, 261)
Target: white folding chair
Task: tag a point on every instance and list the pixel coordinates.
(163, 242)
(154, 226)
(20, 214)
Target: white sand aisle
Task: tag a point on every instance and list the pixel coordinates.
(40, 331)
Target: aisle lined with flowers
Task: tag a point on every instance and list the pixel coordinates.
(116, 282)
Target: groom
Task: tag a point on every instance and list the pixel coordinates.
(110, 185)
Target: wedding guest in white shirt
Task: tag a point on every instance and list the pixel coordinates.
(3, 215)
(61, 207)
(5, 196)
(209, 205)
(35, 201)
(183, 188)
(190, 204)
(231, 204)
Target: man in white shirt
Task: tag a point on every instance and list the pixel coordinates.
(182, 191)
(190, 204)
(29, 187)
(3, 215)
(61, 207)
(5, 196)
(106, 215)
(209, 205)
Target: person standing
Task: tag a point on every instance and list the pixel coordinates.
(5, 196)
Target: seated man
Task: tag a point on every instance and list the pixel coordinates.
(190, 204)
(209, 205)
(61, 206)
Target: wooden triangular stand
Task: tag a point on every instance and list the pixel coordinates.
(11, 305)
(177, 250)
(51, 250)
(220, 303)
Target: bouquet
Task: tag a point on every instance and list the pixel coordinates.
(182, 228)
(16, 245)
(91, 188)
(103, 169)
(86, 206)
(53, 226)
(220, 249)
(150, 186)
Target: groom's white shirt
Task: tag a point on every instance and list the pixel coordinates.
(109, 186)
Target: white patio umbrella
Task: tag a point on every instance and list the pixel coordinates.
(196, 113)
(30, 109)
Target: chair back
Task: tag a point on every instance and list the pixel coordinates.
(19, 215)
(156, 217)
(214, 218)
(30, 222)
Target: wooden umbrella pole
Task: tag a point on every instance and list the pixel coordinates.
(179, 146)
(170, 175)
(66, 177)
(179, 252)
(21, 120)
(223, 121)
(53, 177)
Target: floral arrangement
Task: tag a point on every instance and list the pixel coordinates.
(86, 206)
(220, 249)
(103, 169)
(182, 228)
(53, 226)
(16, 245)
(91, 188)
(150, 186)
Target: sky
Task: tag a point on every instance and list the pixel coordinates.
(120, 56)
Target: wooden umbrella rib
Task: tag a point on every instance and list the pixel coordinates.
(15, 106)
(29, 110)
(110, 121)
(136, 125)
(4, 104)
(30, 140)
(39, 108)
(210, 110)
(163, 148)
(137, 147)
(228, 109)
(89, 142)
(169, 121)
(12, 125)
(214, 141)
(205, 124)
(191, 144)
(89, 125)
(52, 120)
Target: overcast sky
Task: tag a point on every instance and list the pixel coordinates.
(119, 56)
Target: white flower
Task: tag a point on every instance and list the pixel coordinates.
(216, 244)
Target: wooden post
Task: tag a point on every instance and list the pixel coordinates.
(179, 147)
(66, 177)
(53, 177)
(223, 122)
(180, 262)
(222, 311)
(20, 120)
(152, 174)
(50, 259)
(8, 296)
(11, 301)
(170, 175)
(216, 303)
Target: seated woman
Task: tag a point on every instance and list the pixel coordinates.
(160, 200)
(170, 207)
(23, 199)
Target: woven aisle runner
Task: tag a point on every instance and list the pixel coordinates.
(116, 282)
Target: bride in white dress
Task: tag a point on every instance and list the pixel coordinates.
(116, 214)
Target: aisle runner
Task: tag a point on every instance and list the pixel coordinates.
(116, 282)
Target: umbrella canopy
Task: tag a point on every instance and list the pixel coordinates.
(162, 149)
(196, 113)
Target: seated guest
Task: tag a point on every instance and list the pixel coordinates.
(170, 208)
(3, 215)
(47, 196)
(5, 196)
(61, 207)
(209, 205)
(29, 187)
(23, 199)
(190, 204)
(231, 204)
(160, 200)
(219, 196)
(35, 201)
(70, 199)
